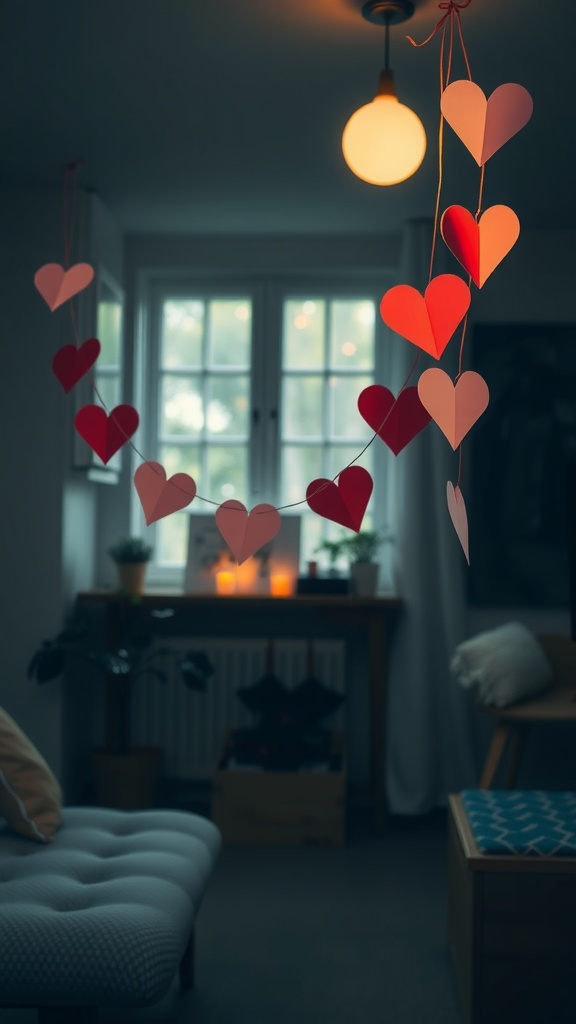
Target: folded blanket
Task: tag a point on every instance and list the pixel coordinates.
(502, 665)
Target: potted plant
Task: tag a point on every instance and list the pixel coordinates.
(125, 776)
(131, 555)
(362, 549)
(333, 548)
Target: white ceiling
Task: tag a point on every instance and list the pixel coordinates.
(226, 117)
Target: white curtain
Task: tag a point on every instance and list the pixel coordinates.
(433, 741)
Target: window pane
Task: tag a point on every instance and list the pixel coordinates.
(303, 334)
(228, 405)
(302, 406)
(181, 406)
(300, 465)
(108, 389)
(108, 331)
(340, 457)
(182, 329)
(229, 333)
(184, 458)
(227, 473)
(172, 539)
(344, 420)
(352, 334)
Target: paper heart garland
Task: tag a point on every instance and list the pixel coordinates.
(453, 407)
(57, 285)
(457, 510)
(428, 321)
(396, 421)
(106, 434)
(246, 532)
(485, 125)
(481, 246)
(345, 502)
(70, 363)
(160, 497)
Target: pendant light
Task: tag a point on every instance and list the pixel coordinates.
(384, 142)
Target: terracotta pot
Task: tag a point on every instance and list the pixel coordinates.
(128, 782)
(132, 576)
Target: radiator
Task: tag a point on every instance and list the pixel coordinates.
(191, 726)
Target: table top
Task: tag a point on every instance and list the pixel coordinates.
(153, 597)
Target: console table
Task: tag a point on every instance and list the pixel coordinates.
(360, 620)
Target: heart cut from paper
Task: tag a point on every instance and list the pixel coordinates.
(458, 515)
(345, 502)
(57, 285)
(453, 407)
(70, 363)
(485, 125)
(428, 320)
(396, 420)
(481, 246)
(105, 434)
(244, 532)
(160, 497)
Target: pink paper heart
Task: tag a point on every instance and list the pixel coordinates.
(481, 246)
(428, 320)
(106, 434)
(246, 532)
(454, 408)
(457, 510)
(57, 285)
(485, 125)
(70, 363)
(160, 497)
(345, 502)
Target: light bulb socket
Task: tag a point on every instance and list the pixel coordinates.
(386, 83)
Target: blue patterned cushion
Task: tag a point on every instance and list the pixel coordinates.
(101, 916)
(528, 822)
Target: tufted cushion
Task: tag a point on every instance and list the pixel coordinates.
(103, 914)
(30, 796)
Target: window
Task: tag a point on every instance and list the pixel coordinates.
(252, 389)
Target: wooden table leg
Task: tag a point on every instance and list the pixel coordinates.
(377, 679)
(518, 735)
(497, 748)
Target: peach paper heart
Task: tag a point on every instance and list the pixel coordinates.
(70, 363)
(428, 321)
(485, 125)
(57, 285)
(481, 246)
(396, 420)
(345, 502)
(246, 532)
(457, 510)
(160, 497)
(106, 434)
(454, 408)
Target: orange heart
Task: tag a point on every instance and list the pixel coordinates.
(454, 408)
(458, 515)
(481, 246)
(160, 497)
(246, 532)
(485, 125)
(57, 285)
(428, 321)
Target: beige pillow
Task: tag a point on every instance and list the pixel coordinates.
(30, 796)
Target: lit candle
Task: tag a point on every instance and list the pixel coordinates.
(225, 582)
(280, 585)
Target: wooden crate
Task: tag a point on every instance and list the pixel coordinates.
(254, 808)
(511, 930)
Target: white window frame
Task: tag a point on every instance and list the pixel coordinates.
(268, 291)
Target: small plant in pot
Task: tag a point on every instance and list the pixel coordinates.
(362, 549)
(131, 555)
(334, 549)
(126, 776)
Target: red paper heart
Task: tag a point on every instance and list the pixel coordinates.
(106, 434)
(160, 497)
(345, 502)
(457, 510)
(71, 363)
(428, 321)
(246, 532)
(396, 421)
(481, 246)
(57, 285)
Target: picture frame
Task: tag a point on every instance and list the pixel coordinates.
(209, 555)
